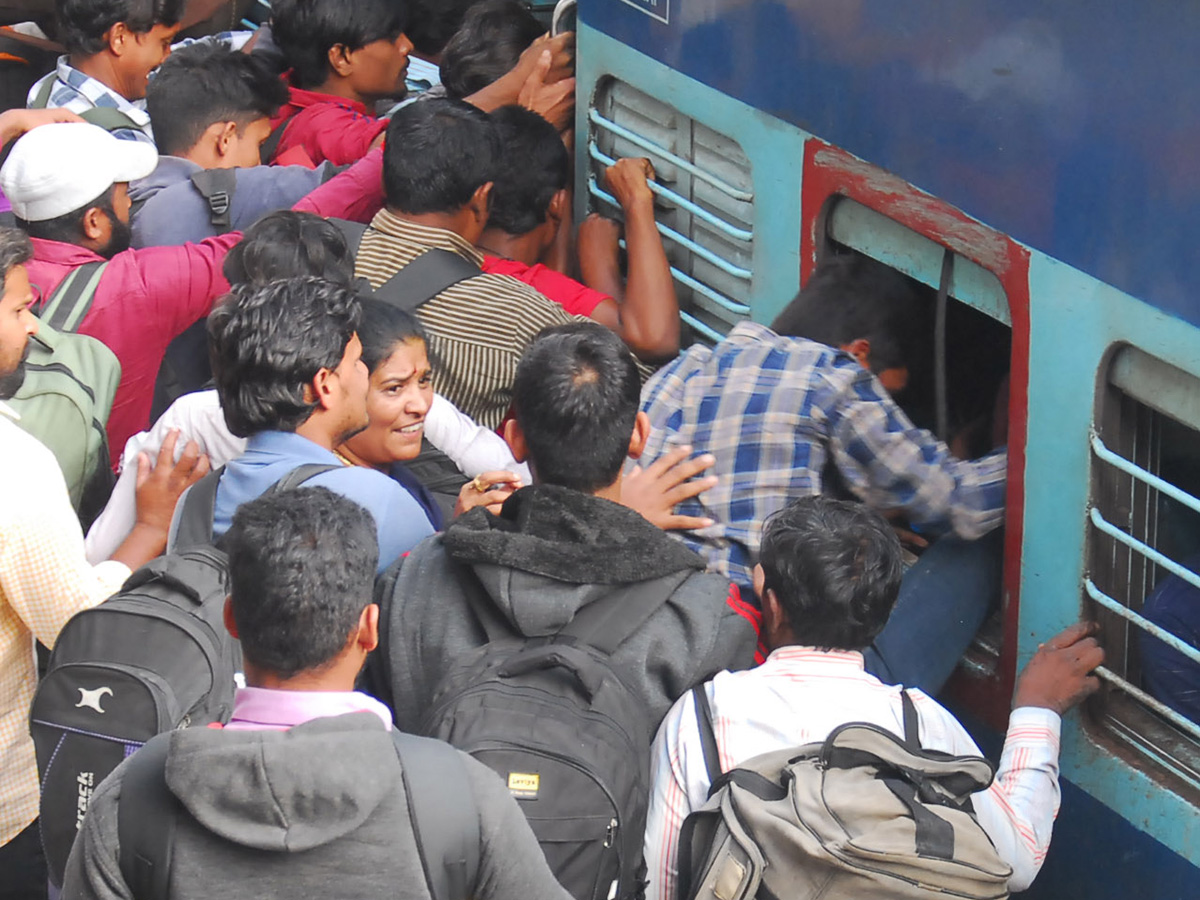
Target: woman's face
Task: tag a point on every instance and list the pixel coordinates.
(399, 397)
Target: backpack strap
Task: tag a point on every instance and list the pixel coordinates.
(425, 277)
(353, 233)
(68, 303)
(445, 818)
(109, 119)
(608, 623)
(267, 151)
(708, 733)
(42, 99)
(217, 187)
(912, 723)
(195, 526)
(146, 815)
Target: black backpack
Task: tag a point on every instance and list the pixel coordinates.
(441, 807)
(152, 658)
(553, 717)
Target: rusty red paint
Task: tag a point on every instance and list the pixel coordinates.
(830, 172)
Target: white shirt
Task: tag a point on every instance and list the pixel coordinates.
(798, 696)
(198, 416)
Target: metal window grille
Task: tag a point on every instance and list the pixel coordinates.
(704, 200)
(1143, 523)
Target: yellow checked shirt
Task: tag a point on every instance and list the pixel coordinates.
(44, 580)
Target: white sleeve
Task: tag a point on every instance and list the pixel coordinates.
(198, 417)
(473, 448)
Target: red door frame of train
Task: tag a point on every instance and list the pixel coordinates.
(830, 172)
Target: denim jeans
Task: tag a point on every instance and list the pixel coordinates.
(944, 598)
(23, 867)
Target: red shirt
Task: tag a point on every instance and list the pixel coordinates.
(147, 297)
(323, 128)
(576, 298)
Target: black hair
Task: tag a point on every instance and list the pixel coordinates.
(850, 297)
(301, 571)
(68, 228)
(438, 153)
(15, 250)
(534, 166)
(268, 341)
(576, 396)
(492, 38)
(835, 567)
(206, 83)
(288, 244)
(385, 325)
(82, 24)
(433, 22)
(306, 30)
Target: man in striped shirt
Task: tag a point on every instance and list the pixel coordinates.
(439, 163)
(828, 579)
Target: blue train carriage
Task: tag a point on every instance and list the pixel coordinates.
(1033, 167)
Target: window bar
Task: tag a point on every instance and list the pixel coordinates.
(685, 242)
(1145, 549)
(734, 306)
(1149, 478)
(1180, 721)
(740, 234)
(634, 138)
(711, 333)
(1172, 640)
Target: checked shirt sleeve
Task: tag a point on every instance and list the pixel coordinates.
(891, 464)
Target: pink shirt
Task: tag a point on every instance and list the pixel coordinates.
(324, 127)
(264, 709)
(576, 298)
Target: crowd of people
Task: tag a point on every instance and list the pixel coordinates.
(345, 242)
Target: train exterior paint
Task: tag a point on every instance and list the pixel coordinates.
(1051, 148)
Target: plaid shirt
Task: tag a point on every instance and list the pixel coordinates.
(78, 92)
(775, 411)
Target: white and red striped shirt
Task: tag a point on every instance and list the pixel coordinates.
(799, 695)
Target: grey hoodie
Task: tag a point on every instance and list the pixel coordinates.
(551, 552)
(316, 811)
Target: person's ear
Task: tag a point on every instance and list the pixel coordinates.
(320, 389)
(760, 579)
(225, 136)
(515, 438)
(227, 616)
(96, 226)
(641, 434)
(776, 628)
(340, 61)
(368, 628)
(481, 202)
(860, 349)
(118, 39)
(560, 206)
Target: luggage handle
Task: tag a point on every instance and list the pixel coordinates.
(551, 657)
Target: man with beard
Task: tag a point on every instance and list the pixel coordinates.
(44, 577)
(69, 188)
(288, 366)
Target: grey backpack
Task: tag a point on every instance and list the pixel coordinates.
(862, 814)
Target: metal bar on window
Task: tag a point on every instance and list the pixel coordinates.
(1180, 721)
(636, 139)
(711, 333)
(740, 234)
(734, 306)
(1171, 640)
(1143, 548)
(672, 235)
(1119, 462)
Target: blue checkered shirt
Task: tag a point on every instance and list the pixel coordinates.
(775, 411)
(78, 92)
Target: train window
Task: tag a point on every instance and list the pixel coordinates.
(704, 202)
(1144, 555)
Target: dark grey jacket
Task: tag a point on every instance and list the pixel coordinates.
(168, 210)
(315, 811)
(551, 552)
